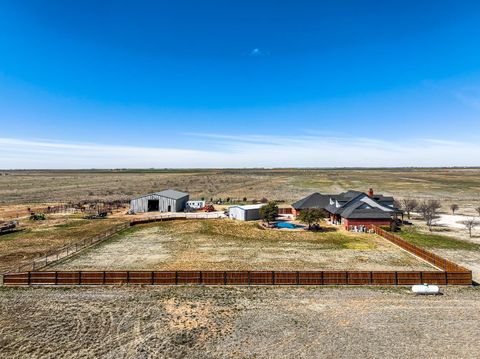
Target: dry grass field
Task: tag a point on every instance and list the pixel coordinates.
(22, 189)
(450, 185)
(237, 322)
(40, 237)
(231, 322)
(223, 244)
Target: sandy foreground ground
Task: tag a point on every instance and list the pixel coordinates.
(238, 322)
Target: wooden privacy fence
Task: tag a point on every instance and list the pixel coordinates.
(236, 278)
(430, 257)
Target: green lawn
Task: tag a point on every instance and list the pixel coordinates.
(428, 240)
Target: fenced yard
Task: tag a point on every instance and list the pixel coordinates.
(115, 249)
(225, 245)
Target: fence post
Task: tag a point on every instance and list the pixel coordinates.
(56, 277)
(298, 278)
(153, 278)
(273, 277)
(176, 277)
(225, 278)
(29, 277)
(396, 278)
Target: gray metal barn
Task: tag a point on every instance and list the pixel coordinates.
(168, 200)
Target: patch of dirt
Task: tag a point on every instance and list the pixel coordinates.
(237, 322)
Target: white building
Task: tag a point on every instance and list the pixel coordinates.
(245, 213)
(195, 204)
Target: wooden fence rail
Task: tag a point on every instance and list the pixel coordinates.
(430, 257)
(70, 249)
(236, 278)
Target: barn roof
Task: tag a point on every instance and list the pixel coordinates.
(168, 193)
(172, 193)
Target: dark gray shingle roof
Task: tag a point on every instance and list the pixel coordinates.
(315, 200)
(370, 213)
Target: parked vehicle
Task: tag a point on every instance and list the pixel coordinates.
(209, 208)
(8, 227)
(100, 215)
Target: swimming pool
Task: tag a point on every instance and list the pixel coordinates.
(287, 225)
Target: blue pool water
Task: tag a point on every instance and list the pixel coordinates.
(286, 225)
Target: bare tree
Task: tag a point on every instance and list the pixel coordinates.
(409, 205)
(429, 210)
(470, 225)
(454, 207)
(397, 204)
(478, 210)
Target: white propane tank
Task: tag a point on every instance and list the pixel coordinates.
(425, 289)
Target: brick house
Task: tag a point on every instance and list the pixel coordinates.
(352, 208)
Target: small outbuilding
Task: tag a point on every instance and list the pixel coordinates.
(245, 213)
(195, 204)
(169, 200)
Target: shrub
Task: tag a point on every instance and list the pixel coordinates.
(269, 212)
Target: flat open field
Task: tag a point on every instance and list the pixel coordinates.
(22, 187)
(40, 237)
(237, 322)
(227, 245)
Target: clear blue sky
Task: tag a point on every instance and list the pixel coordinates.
(239, 83)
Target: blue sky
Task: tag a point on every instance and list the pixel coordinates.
(239, 83)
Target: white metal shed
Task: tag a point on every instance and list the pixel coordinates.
(245, 213)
